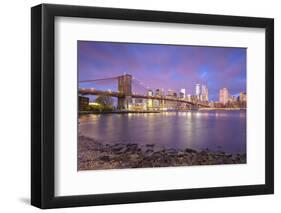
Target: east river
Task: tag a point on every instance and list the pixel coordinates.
(216, 130)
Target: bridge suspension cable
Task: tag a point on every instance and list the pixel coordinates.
(99, 79)
(139, 83)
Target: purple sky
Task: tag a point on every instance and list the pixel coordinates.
(163, 66)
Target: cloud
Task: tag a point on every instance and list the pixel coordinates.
(165, 66)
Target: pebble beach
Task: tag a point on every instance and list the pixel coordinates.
(94, 155)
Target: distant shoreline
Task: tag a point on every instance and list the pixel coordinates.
(159, 111)
(93, 155)
(118, 112)
(230, 109)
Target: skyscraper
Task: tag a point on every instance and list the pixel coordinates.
(197, 90)
(242, 97)
(170, 93)
(150, 93)
(204, 93)
(201, 92)
(224, 96)
(149, 101)
(182, 93)
(159, 92)
(188, 97)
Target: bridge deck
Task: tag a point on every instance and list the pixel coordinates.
(87, 91)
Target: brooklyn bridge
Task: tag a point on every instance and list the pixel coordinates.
(125, 92)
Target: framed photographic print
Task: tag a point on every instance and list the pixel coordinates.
(139, 106)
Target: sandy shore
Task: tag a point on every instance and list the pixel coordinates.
(95, 155)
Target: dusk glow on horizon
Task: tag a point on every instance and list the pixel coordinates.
(164, 66)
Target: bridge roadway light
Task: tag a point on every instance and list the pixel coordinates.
(94, 104)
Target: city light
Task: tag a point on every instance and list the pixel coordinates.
(94, 104)
(158, 100)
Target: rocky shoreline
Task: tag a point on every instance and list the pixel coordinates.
(93, 155)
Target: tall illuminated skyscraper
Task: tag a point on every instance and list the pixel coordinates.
(197, 90)
(201, 92)
(224, 95)
(204, 93)
(182, 93)
(150, 93)
(149, 101)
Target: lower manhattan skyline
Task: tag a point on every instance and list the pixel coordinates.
(167, 67)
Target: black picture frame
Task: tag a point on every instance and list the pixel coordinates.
(43, 102)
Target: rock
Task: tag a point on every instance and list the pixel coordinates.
(134, 157)
(104, 158)
(190, 150)
(181, 154)
(116, 149)
(203, 153)
(95, 155)
(149, 152)
(171, 151)
(233, 157)
(132, 147)
(210, 158)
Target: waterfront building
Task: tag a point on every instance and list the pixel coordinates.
(149, 92)
(171, 104)
(194, 98)
(198, 91)
(218, 105)
(159, 103)
(138, 101)
(159, 92)
(83, 103)
(149, 101)
(204, 93)
(201, 92)
(182, 93)
(156, 103)
(242, 97)
(138, 104)
(170, 93)
(188, 97)
(232, 99)
(211, 104)
(223, 96)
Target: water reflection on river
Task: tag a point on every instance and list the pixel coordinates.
(216, 130)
